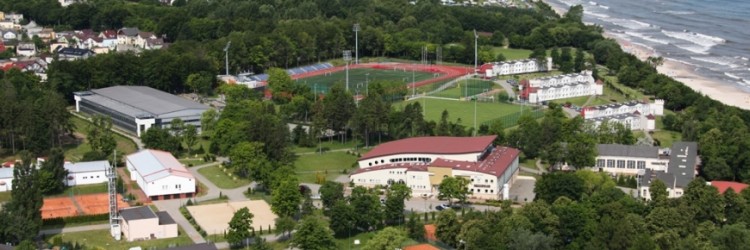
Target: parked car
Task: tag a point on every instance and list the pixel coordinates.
(441, 207)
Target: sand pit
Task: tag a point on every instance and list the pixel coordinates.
(97, 203)
(89, 204)
(214, 218)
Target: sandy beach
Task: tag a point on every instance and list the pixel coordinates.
(728, 94)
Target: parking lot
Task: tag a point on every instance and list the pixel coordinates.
(522, 189)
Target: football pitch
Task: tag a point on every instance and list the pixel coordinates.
(465, 88)
(486, 111)
(358, 78)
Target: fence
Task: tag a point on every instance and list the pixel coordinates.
(469, 87)
(511, 119)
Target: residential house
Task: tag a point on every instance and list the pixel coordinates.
(143, 37)
(160, 175)
(141, 223)
(723, 186)
(71, 54)
(15, 17)
(154, 43)
(6, 179)
(127, 36)
(26, 49)
(109, 38)
(681, 170)
(46, 34)
(84, 173)
(36, 65)
(543, 89)
(9, 35)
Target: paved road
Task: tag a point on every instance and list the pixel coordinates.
(523, 189)
(506, 86)
(418, 204)
(172, 207)
(73, 229)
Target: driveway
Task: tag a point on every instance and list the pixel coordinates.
(172, 207)
(506, 86)
(522, 189)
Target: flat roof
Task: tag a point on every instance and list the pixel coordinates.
(496, 163)
(682, 162)
(140, 100)
(165, 218)
(137, 213)
(88, 166)
(432, 145)
(156, 164)
(6, 173)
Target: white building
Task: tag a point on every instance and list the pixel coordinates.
(629, 159)
(422, 162)
(141, 223)
(681, 170)
(559, 87)
(515, 67)
(83, 173)
(160, 175)
(6, 179)
(26, 49)
(635, 115)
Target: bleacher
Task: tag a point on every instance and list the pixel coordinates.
(294, 71)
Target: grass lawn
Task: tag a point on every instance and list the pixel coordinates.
(328, 145)
(475, 86)
(191, 162)
(512, 54)
(4, 196)
(75, 152)
(666, 138)
(330, 164)
(202, 189)
(360, 76)
(222, 179)
(83, 189)
(100, 239)
(346, 243)
(578, 101)
(463, 109)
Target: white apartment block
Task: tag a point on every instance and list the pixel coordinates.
(515, 67)
(544, 89)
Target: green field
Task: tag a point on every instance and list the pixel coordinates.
(329, 164)
(358, 77)
(463, 109)
(83, 189)
(469, 87)
(222, 179)
(100, 239)
(512, 54)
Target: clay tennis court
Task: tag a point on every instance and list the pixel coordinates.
(214, 218)
(78, 205)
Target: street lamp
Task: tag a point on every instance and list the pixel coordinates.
(347, 59)
(367, 85)
(356, 29)
(226, 57)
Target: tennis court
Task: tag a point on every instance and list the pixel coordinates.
(58, 207)
(97, 203)
(88, 204)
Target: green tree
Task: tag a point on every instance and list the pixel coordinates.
(735, 236)
(240, 227)
(522, 239)
(367, 208)
(100, 135)
(330, 192)
(208, 121)
(658, 191)
(200, 82)
(578, 63)
(454, 188)
(158, 138)
(190, 137)
(386, 239)
(249, 161)
(281, 85)
(338, 108)
(582, 151)
(343, 218)
(474, 234)
(286, 198)
(447, 227)
(313, 234)
(415, 227)
(25, 203)
(395, 196)
(284, 226)
(704, 201)
(558, 184)
(53, 173)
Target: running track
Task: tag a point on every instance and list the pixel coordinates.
(446, 72)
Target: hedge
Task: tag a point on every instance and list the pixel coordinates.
(76, 219)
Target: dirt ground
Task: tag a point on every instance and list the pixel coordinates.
(214, 218)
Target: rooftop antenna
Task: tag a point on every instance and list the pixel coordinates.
(226, 57)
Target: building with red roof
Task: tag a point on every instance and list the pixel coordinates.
(421, 247)
(723, 186)
(422, 162)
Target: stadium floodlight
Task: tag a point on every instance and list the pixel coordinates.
(226, 57)
(347, 59)
(476, 37)
(356, 29)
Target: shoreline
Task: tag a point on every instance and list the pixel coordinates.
(729, 94)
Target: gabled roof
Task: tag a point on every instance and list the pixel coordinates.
(128, 31)
(141, 100)
(432, 145)
(156, 164)
(85, 167)
(108, 34)
(723, 186)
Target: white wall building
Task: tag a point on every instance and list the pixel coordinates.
(629, 159)
(635, 115)
(515, 67)
(559, 87)
(160, 175)
(141, 223)
(84, 173)
(681, 170)
(6, 179)
(422, 162)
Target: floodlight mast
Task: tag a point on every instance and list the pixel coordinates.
(356, 29)
(347, 59)
(226, 57)
(475, 51)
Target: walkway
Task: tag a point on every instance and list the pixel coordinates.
(506, 86)
(53, 231)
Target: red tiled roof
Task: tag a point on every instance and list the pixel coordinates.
(421, 247)
(494, 164)
(429, 232)
(414, 166)
(722, 186)
(432, 145)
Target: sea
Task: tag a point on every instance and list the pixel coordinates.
(712, 36)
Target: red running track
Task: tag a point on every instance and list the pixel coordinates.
(446, 72)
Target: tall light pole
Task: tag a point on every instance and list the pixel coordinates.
(226, 57)
(356, 29)
(475, 51)
(367, 84)
(347, 59)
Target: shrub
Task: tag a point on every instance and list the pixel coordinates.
(76, 219)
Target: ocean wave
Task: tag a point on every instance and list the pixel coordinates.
(676, 12)
(683, 62)
(703, 50)
(630, 24)
(733, 76)
(696, 38)
(604, 7)
(647, 38)
(594, 14)
(718, 60)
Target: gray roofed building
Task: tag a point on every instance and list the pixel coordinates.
(200, 246)
(137, 213)
(682, 162)
(71, 54)
(137, 108)
(128, 31)
(89, 166)
(627, 150)
(164, 218)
